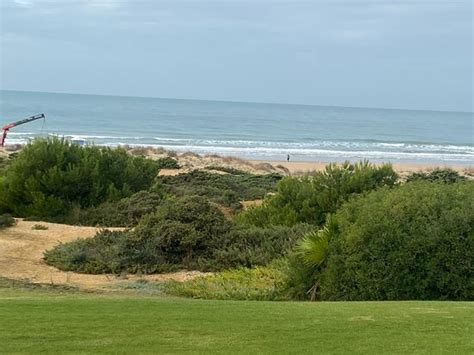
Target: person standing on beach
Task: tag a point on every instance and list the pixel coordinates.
(288, 157)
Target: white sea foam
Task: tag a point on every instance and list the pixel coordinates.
(248, 130)
(307, 150)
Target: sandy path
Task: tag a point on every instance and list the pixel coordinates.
(21, 252)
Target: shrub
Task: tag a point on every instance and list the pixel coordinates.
(6, 220)
(447, 176)
(306, 262)
(259, 283)
(190, 233)
(300, 279)
(101, 254)
(250, 246)
(49, 177)
(3, 164)
(227, 190)
(168, 163)
(39, 227)
(310, 199)
(225, 169)
(412, 242)
(123, 213)
(183, 233)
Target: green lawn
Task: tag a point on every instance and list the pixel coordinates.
(35, 321)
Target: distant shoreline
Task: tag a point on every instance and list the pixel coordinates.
(308, 166)
(247, 130)
(191, 161)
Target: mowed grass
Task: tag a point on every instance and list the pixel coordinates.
(37, 320)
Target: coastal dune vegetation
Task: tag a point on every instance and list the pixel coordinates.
(354, 231)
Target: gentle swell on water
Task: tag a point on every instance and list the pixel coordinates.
(249, 130)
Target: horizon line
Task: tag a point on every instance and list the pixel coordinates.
(233, 101)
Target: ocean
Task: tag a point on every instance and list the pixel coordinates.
(249, 130)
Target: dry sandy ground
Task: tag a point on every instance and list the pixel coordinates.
(21, 251)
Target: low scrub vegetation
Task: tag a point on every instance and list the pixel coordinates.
(447, 176)
(225, 169)
(100, 254)
(50, 177)
(311, 199)
(183, 233)
(128, 211)
(6, 220)
(224, 189)
(123, 213)
(168, 163)
(3, 163)
(39, 227)
(350, 232)
(262, 283)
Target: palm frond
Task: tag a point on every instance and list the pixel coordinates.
(313, 247)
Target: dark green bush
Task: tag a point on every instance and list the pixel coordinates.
(168, 163)
(3, 164)
(100, 254)
(6, 220)
(182, 233)
(123, 213)
(250, 246)
(447, 176)
(301, 280)
(412, 242)
(49, 177)
(310, 199)
(224, 189)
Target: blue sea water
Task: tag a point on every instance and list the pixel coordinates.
(250, 130)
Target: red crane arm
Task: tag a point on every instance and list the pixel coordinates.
(17, 123)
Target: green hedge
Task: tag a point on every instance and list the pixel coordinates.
(412, 242)
(51, 176)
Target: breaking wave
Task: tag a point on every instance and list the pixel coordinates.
(308, 150)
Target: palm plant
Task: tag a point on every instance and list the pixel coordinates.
(312, 248)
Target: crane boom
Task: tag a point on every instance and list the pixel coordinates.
(7, 127)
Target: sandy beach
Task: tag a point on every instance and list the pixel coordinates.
(308, 166)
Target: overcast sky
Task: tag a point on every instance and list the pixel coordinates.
(386, 53)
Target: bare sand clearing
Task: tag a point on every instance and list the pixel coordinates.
(21, 252)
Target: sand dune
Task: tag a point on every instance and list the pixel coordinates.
(191, 161)
(21, 252)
